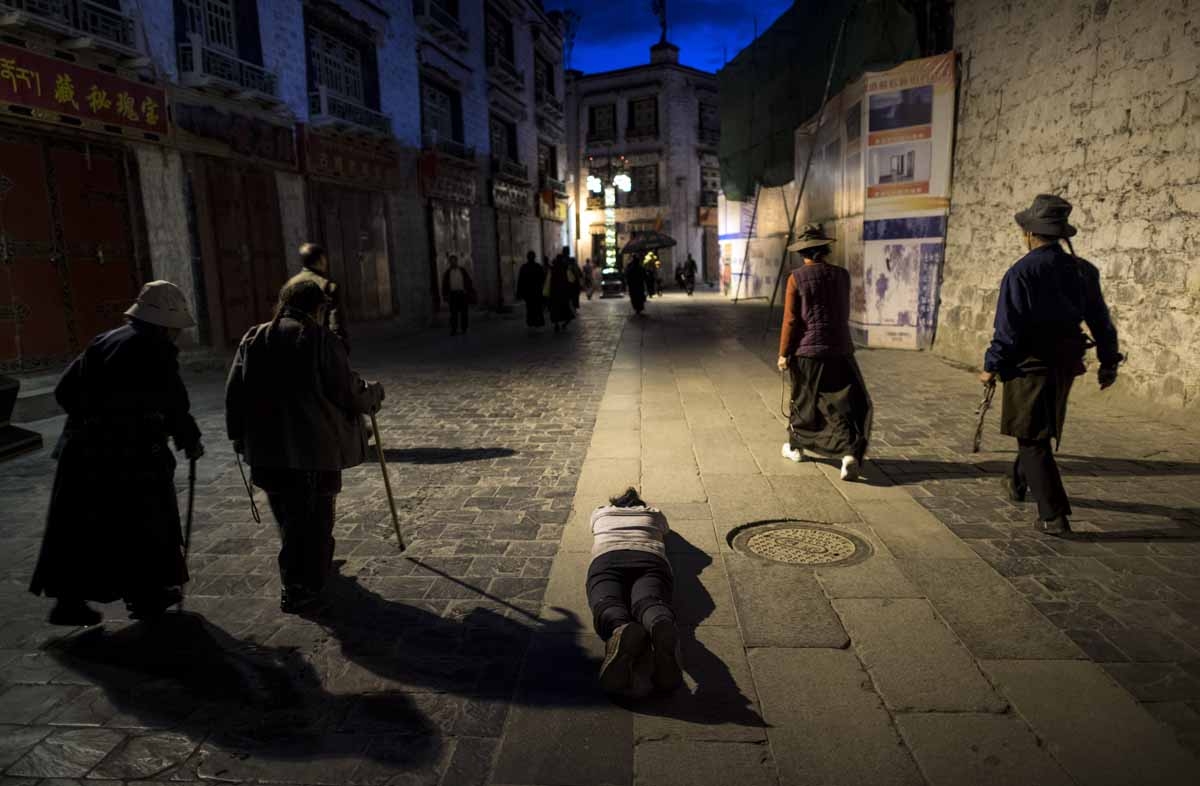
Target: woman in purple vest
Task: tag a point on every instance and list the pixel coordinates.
(831, 411)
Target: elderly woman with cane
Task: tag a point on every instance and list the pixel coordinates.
(293, 408)
(830, 410)
(113, 526)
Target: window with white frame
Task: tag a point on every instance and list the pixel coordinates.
(214, 21)
(337, 65)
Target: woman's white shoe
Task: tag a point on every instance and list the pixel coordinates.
(849, 468)
(793, 454)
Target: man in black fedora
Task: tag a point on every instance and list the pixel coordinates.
(1037, 350)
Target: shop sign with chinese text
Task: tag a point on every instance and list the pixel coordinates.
(54, 89)
(370, 167)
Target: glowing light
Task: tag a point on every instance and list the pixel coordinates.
(594, 185)
(623, 182)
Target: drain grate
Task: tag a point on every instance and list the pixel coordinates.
(799, 543)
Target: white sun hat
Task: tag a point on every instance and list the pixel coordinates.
(162, 303)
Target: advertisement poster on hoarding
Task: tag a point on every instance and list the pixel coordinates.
(905, 170)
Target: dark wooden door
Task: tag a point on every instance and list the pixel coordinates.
(247, 245)
(352, 225)
(93, 206)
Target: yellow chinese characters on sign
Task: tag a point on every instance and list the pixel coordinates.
(64, 90)
(150, 110)
(125, 106)
(98, 99)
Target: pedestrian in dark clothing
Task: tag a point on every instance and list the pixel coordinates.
(635, 284)
(113, 526)
(458, 290)
(530, 281)
(589, 278)
(561, 285)
(293, 408)
(315, 267)
(629, 589)
(650, 275)
(1037, 350)
(830, 409)
(689, 275)
(573, 264)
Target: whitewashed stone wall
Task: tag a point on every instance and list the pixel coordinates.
(281, 30)
(1098, 102)
(155, 22)
(292, 216)
(161, 174)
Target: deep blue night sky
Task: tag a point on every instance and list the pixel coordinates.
(619, 33)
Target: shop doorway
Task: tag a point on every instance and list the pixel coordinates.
(352, 226)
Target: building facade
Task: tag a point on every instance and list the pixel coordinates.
(659, 125)
(202, 141)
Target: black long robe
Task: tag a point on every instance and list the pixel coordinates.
(530, 281)
(112, 530)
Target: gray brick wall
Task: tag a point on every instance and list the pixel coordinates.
(1109, 117)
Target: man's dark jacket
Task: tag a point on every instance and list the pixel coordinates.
(1037, 346)
(293, 401)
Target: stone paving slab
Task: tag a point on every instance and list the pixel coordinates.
(990, 617)
(827, 728)
(914, 660)
(1095, 729)
(983, 750)
(704, 764)
(782, 606)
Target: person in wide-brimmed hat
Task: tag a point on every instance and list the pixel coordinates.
(1037, 350)
(830, 412)
(112, 530)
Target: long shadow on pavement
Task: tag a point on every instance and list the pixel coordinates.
(256, 708)
(903, 471)
(443, 455)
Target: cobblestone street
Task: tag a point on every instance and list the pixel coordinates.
(963, 648)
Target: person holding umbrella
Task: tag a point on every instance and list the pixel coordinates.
(112, 530)
(293, 408)
(830, 409)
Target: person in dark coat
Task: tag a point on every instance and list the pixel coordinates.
(530, 281)
(1037, 350)
(315, 267)
(635, 284)
(112, 530)
(561, 285)
(650, 276)
(458, 290)
(830, 410)
(577, 272)
(689, 275)
(293, 409)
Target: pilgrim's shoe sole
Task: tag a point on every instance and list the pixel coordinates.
(1055, 526)
(668, 659)
(626, 645)
(75, 615)
(641, 681)
(849, 468)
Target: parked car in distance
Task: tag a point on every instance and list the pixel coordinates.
(612, 282)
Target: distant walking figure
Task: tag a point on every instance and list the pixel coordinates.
(315, 267)
(635, 284)
(113, 527)
(830, 409)
(530, 281)
(293, 408)
(589, 278)
(1037, 350)
(561, 286)
(629, 587)
(458, 290)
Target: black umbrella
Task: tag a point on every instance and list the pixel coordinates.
(648, 241)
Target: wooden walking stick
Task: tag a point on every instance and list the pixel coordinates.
(989, 390)
(387, 483)
(187, 531)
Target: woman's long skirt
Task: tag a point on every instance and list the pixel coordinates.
(831, 409)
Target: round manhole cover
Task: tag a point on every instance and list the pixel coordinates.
(799, 543)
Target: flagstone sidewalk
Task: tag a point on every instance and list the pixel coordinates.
(929, 661)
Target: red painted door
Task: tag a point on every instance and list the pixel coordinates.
(93, 207)
(264, 239)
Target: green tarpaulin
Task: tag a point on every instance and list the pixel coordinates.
(776, 83)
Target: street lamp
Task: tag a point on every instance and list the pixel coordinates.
(622, 181)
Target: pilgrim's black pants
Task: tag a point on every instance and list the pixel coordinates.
(459, 313)
(628, 585)
(1036, 469)
(305, 520)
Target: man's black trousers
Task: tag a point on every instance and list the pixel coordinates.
(1036, 469)
(628, 585)
(458, 312)
(305, 519)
